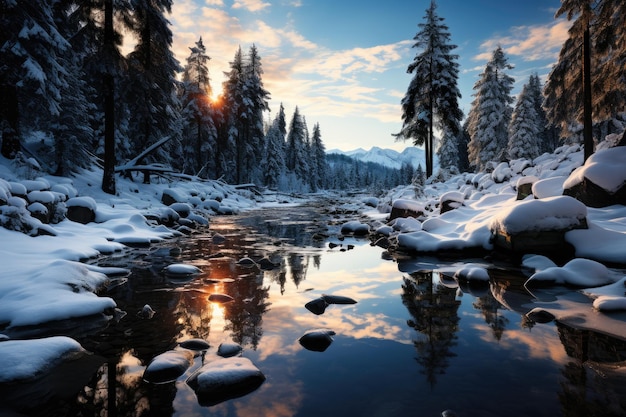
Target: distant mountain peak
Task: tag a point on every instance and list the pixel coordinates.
(387, 157)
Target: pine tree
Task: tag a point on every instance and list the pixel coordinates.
(448, 151)
(72, 128)
(255, 103)
(524, 130)
(598, 26)
(199, 131)
(32, 76)
(547, 139)
(432, 97)
(296, 157)
(274, 154)
(490, 114)
(151, 86)
(318, 153)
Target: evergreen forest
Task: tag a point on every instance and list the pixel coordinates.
(70, 98)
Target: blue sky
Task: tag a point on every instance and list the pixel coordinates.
(343, 62)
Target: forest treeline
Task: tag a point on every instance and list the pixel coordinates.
(582, 99)
(64, 78)
(59, 70)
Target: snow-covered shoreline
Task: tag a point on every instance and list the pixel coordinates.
(45, 280)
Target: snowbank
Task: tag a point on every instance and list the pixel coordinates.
(24, 359)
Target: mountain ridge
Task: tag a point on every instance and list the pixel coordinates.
(387, 157)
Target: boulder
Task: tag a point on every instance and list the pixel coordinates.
(355, 228)
(195, 344)
(590, 184)
(229, 349)
(450, 201)
(81, 209)
(317, 340)
(224, 379)
(168, 366)
(406, 208)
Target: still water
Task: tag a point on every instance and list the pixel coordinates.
(414, 344)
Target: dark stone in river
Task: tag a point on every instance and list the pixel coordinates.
(540, 316)
(220, 298)
(195, 344)
(338, 299)
(317, 306)
(317, 340)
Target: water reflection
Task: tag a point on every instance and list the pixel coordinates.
(415, 341)
(433, 308)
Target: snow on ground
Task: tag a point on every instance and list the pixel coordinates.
(42, 277)
(491, 203)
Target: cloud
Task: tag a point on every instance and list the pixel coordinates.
(531, 43)
(251, 5)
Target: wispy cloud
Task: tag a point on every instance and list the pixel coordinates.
(530, 43)
(251, 5)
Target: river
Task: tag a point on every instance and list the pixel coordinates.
(414, 344)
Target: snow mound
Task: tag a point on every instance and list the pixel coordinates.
(25, 359)
(604, 168)
(553, 213)
(471, 272)
(578, 272)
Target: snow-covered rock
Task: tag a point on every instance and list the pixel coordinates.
(168, 366)
(578, 272)
(25, 359)
(355, 227)
(601, 181)
(553, 213)
(225, 378)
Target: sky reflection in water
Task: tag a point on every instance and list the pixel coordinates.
(413, 344)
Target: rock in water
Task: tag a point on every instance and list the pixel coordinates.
(146, 312)
(317, 306)
(227, 350)
(338, 299)
(225, 379)
(220, 298)
(195, 344)
(168, 366)
(317, 340)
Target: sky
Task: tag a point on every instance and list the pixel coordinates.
(343, 63)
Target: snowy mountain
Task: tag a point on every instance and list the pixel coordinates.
(387, 157)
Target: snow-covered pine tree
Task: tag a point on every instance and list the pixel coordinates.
(431, 100)
(524, 130)
(448, 151)
(296, 157)
(255, 103)
(32, 76)
(230, 141)
(547, 138)
(273, 163)
(490, 113)
(151, 86)
(198, 130)
(73, 130)
(318, 153)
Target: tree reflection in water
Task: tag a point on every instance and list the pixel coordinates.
(433, 307)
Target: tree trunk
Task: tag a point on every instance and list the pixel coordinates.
(10, 112)
(587, 100)
(108, 175)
